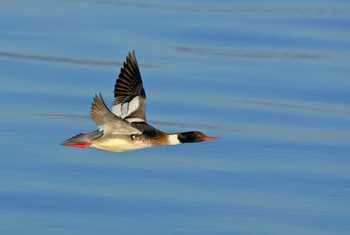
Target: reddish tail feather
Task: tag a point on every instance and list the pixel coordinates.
(79, 145)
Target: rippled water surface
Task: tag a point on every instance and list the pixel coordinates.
(272, 78)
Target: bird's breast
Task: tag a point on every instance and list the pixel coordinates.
(119, 144)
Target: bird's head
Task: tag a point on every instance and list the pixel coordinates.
(194, 136)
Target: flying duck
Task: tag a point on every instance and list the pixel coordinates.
(125, 128)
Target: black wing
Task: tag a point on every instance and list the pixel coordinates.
(130, 96)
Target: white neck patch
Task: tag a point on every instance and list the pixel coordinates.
(172, 138)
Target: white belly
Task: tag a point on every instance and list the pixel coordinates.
(119, 145)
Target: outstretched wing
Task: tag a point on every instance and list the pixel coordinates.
(130, 97)
(108, 121)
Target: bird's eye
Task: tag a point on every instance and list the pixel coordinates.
(133, 137)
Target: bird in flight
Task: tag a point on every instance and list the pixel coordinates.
(125, 128)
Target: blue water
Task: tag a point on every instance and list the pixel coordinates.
(272, 78)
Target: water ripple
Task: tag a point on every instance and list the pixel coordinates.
(256, 9)
(62, 60)
(255, 54)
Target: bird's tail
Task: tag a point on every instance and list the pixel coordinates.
(83, 140)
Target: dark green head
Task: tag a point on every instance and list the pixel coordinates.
(194, 136)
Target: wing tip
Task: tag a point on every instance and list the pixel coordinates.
(98, 109)
(131, 58)
(129, 82)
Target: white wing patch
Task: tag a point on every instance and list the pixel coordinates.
(125, 109)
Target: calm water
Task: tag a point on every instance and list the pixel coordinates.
(272, 78)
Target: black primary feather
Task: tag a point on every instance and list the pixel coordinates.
(129, 82)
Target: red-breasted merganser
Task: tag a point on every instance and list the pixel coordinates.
(124, 127)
